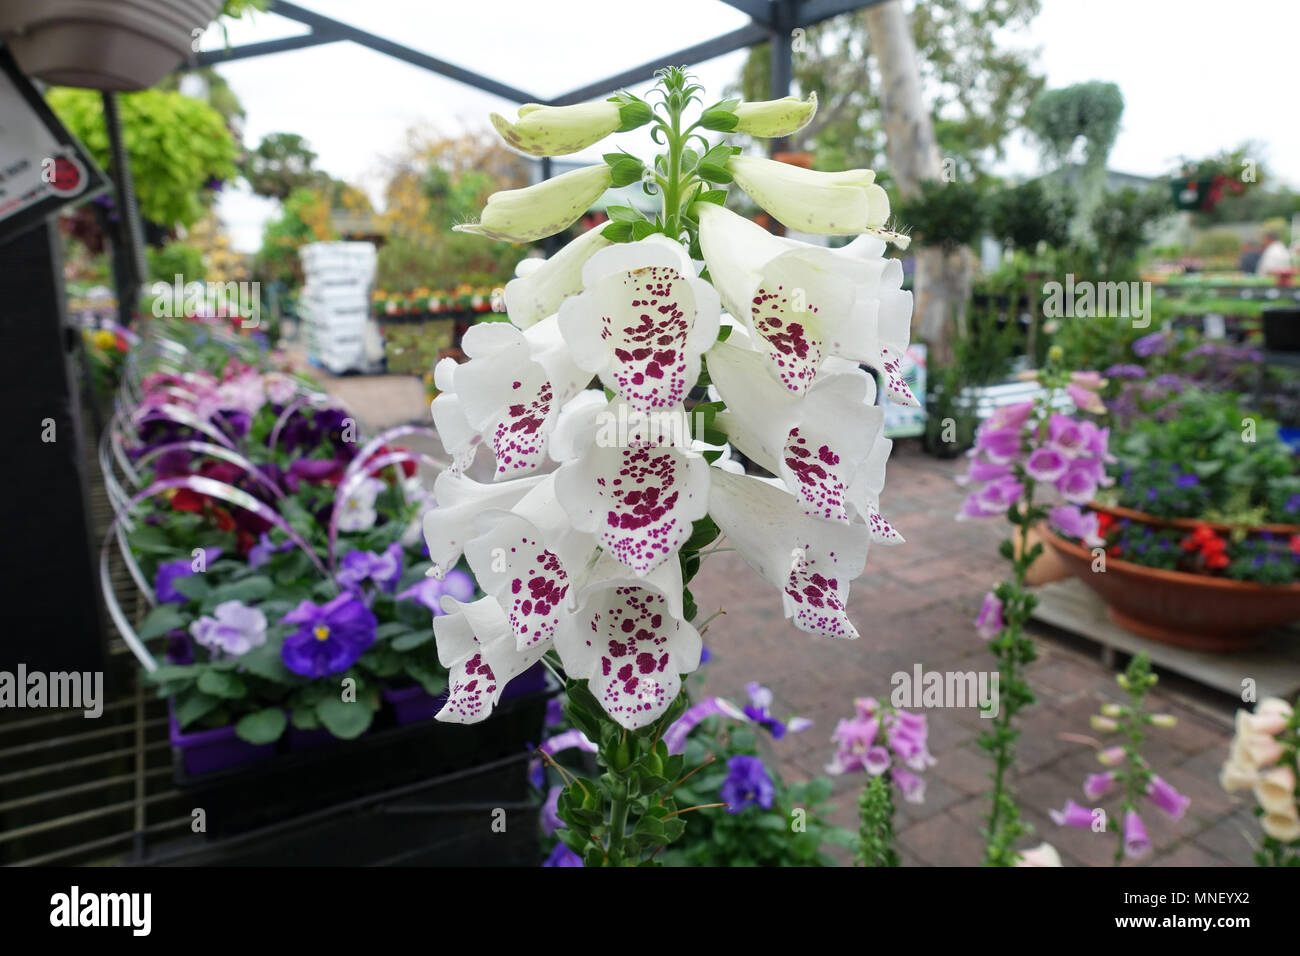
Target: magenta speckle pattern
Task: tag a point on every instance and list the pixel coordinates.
(634, 678)
(538, 585)
(639, 527)
(881, 530)
(648, 339)
(819, 609)
(817, 483)
(787, 341)
(472, 690)
(518, 439)
(895, 387)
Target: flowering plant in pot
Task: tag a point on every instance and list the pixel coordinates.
(587, 567)
(282, 555)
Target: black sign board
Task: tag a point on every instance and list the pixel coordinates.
(42, 167)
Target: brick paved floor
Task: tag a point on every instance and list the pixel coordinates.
(916, 604)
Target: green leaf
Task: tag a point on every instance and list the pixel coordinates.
(248, 590)
(224, 684)
(390, 630)
(618, 232)
(194, 706)
(163, 618)
(624, 214)
(304, 718)
(343, 719)
(714, 173)
(262, 726)
(626, 172)
(642, 229)
(265, 661)
(412, 640)
(195, 587)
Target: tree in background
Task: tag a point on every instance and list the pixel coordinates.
(304, 218)
(936, 93)
(436, 182)
(281, 163)
(1079, 121)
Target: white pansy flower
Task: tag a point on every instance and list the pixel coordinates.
(357, 512)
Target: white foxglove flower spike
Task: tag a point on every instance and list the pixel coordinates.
(643, 321)
(540, 286)
(828, 204)
(558, 130)
(810, 561)
(535, 212)
(478, 649)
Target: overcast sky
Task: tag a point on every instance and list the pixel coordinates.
(1197, 75)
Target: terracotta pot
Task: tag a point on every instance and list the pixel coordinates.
(116, 45)
(1047, 567)
(1189, 610)
(1188, 524)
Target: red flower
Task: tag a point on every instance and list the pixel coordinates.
(1216, 561)
(186, 500)
(1295, 543)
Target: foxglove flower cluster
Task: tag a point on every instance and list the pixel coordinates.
(578, 539)
(1013, 448)
(1128, 772)
(879, 739)
(1262, 758)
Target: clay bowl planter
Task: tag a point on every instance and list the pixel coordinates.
(103, 44)
(1187, 524)
(1190, 610)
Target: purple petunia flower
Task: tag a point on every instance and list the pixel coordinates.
(988, 624)
(169, 571)
(747, 784)
(330, 638)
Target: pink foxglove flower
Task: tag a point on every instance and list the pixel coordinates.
(1136, 843)
(1167, 798)
(988, 624)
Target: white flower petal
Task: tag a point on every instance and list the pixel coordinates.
(460, 500)
(811, 561)
(477, 647)
(642, 322)
(542, 285)
(638, 502)
(632, 650)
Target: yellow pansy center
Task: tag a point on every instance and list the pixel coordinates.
(321, 632)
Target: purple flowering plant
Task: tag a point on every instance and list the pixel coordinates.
(1024, 456)
(1127, 772)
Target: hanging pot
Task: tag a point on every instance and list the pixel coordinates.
(117, 45)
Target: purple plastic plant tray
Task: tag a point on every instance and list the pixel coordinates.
(207, 751)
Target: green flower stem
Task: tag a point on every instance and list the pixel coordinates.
(1138, 679)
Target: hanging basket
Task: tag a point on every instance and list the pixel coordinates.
(115, 45)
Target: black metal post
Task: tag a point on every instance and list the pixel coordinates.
(128, 243)
(49, 589)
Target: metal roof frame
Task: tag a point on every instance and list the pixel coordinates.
(768, 19)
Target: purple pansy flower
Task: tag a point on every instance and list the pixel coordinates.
(234, 628)
(330, 638)
(260, 553)
(747, 784)
(169, 571)
(384, 570)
